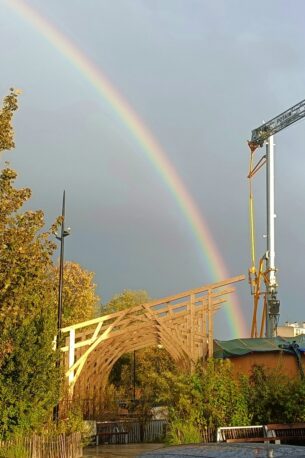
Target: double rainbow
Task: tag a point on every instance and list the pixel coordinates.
(154, 152)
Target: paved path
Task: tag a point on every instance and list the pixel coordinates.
(227, 451)
(119, 451)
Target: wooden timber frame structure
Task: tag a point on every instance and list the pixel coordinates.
(182, 324)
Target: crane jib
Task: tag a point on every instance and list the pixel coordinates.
(266, 272)
(285, 119)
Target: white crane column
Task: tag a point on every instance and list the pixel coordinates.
(272, 303)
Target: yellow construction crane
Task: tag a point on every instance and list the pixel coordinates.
(262, 279)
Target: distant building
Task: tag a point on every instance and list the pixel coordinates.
(291, 329)
(284, 353)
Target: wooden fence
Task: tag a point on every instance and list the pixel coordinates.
(133, 431)
(61, 446)
(130, 431)
(208, 434)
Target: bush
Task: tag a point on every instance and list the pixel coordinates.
(13, 451)
(183, 432)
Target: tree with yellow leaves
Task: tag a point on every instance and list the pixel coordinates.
(28, 374)
(10, 105)
(80, 301)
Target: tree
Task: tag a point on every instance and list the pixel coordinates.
(127, 299)
(275, 398)
(223, 398)
(27, 319)
(29, 381)
(153, 367)
(28, 376)
(10, 105)
(80, 301)
(25, 256)
(121, 371)
(211, 397)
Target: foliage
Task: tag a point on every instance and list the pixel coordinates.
(27, 327)
(224, 402)
(80, 301)
(125, 300)
(153, 367)
(295, 406)
(28, 380)
(121, 374)
(183, 432)
(10, 105)
(208, 398)
(274, 398)
(29, 377)
(213, 396)
(25, 255)
(13, 451)
(72, 422)
(113, 395)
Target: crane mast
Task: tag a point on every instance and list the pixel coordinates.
(260, 135)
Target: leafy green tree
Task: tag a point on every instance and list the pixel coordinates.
(28, 380)
(28, 375)
(27, 320)
(275, 398)
(80, 301)
(127, 299)
(295, 405)
(121, 372)
(224, 403)
(211, 397)
(25, 256)
(153, 367)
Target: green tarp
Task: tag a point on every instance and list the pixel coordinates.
(239, 347)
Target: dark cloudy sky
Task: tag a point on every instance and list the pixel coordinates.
(201, 75)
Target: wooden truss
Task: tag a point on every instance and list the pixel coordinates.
(182, 324)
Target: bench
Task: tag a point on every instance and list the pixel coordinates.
(274, 432)
(286, 432)
(242, 434)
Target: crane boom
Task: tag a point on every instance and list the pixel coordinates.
(280, 122)
(260, 135)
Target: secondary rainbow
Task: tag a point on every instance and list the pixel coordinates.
(153, 151)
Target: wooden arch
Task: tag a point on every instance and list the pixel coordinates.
(182, 324)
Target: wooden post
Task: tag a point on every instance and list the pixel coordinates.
(210, 318)
(188, 327)
(204, 329)
(71, 359)
(191, 329)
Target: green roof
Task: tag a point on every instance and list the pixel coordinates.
(239, 347)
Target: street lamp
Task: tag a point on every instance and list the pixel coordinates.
(63, 233)
(134, 376)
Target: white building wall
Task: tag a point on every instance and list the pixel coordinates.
(291, 329)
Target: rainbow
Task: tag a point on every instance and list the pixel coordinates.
(153, 151)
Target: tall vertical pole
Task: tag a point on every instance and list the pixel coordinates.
(272, 302)
(134, 375)
(61, 238)
(210, 318)
(61, 266)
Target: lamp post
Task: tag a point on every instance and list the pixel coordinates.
(134, 376)
(63, 233)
